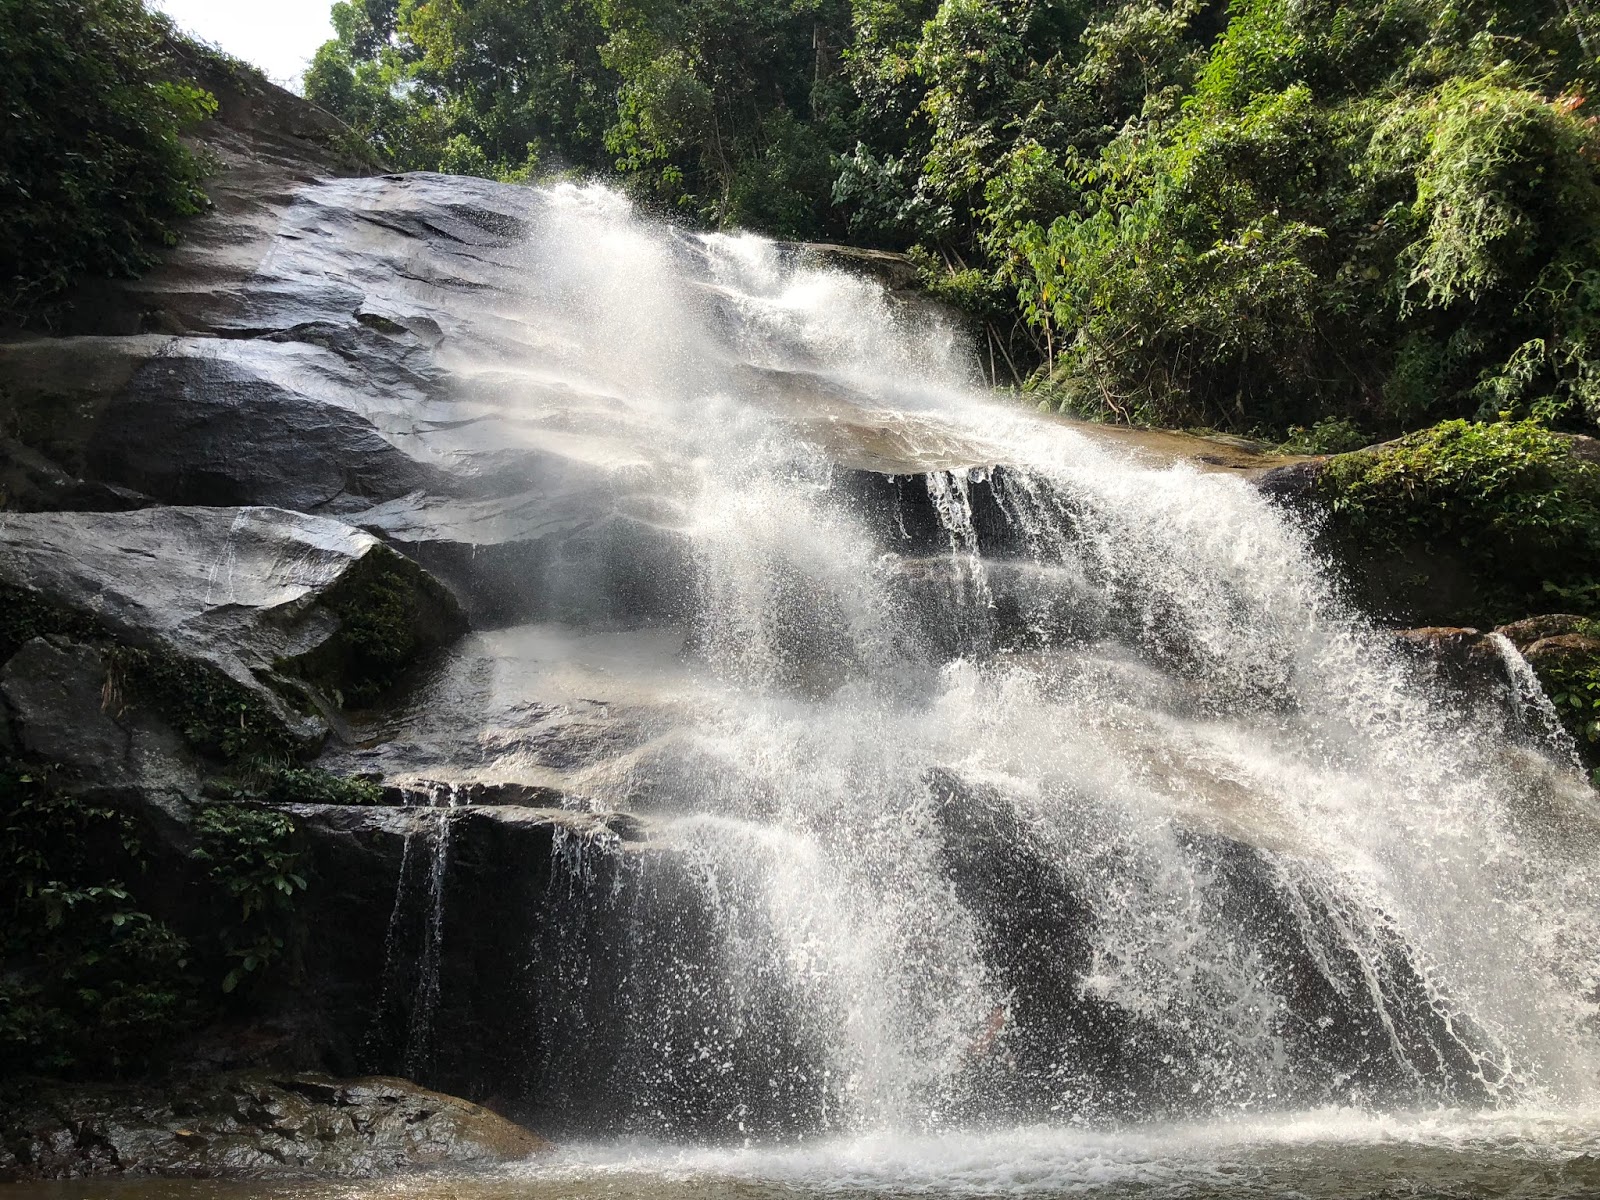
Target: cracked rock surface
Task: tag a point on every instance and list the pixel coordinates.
(251, 1125)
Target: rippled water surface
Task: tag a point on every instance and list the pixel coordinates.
(1326, 1155)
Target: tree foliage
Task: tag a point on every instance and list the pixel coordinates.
(477, 87)
(93, 172)
(1255, 215)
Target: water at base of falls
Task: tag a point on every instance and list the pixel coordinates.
(1004, 790)
(1330, 1155)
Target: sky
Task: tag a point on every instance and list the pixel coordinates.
(279, 36)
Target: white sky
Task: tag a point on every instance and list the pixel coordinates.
(279, 36)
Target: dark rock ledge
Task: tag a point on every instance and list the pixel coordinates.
(248, 1125)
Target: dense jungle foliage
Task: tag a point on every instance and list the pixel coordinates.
(1256, 216)
(93, 171)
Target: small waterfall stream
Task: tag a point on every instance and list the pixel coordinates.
(993, 775)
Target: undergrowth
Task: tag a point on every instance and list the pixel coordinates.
(94, 172)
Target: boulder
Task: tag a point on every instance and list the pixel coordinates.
(1462, 653)
(1426, 533)
(1529, 630)
(55, 692)
(289, 609)
(1566, 650)
(250, 1126)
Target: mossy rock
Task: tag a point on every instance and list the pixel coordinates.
(215, 715)
(277, 783)
(391, 613)
(1467, 523)
(236, 612)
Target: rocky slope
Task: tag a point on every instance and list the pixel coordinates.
(185, 622)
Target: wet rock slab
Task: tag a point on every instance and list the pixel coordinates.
(248, 591)
(249, 1125)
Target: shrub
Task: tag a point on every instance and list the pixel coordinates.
(1574, 688)
(253, 858)
(92, 982)
(1331, 435)
(93, 172)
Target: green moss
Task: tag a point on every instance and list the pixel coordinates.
(25, 615)
(390, 612)
(1507, 505)
(213, 713)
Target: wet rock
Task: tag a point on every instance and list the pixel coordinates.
(894, 271)
(250, 1126)
(346, 375)
(547, 708)
(420, 944)
(64, 713)
(1036, 934)
(1564, 650)
(30, 482)
(1061, 1034)
(200, 427)
(1292, 482)
(275, 601)
(210, 421)
(542, 555)
(1213, 453)
(1529, 630)
(1462, 654)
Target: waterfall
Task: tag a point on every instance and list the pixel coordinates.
(994, 773)
(1536, 711)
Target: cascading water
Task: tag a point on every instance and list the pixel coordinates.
(993, 774)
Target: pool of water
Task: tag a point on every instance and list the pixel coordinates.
(1325, 1155)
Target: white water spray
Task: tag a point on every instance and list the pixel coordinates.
(1010, 775)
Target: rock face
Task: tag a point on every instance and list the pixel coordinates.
(1529, 631)
(339, 376)
(214, 494)
(54, 693)
(268, 598)
(251, 1125)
